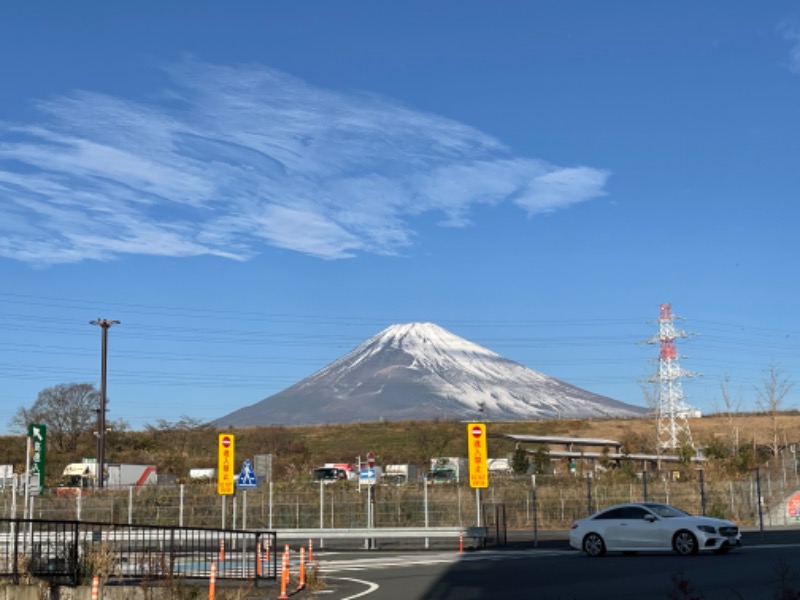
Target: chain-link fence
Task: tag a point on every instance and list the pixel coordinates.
(552, 501)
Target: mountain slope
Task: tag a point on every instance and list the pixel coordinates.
(422, 371)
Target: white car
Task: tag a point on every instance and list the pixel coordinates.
(653, 527)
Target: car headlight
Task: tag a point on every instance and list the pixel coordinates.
(706, 529)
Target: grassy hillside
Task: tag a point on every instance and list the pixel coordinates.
(296, 450)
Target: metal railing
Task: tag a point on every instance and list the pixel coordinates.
(71, 552)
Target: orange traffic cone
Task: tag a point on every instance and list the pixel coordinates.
(284, 581)
(212, 581)
(301, 583)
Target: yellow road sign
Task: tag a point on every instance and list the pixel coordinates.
(225, 479)
(477, 453)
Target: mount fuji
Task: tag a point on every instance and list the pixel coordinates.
(422, 371)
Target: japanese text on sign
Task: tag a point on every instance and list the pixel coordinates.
(477, 453)
(37, 440)
(225, 477)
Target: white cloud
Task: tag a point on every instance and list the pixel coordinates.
(234, 158)
(559, 188)
(791, 33)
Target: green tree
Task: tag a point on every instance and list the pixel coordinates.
(67, 409)
(541, 460)
(519, 462)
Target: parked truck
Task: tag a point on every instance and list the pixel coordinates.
(208, 473)
(333, 472)
(448, 470)
(400, 474)
(78, 477)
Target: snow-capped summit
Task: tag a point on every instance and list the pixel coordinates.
(422, 371)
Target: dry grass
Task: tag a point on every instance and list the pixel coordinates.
(296, 450)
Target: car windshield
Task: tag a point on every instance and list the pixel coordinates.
(664, 510)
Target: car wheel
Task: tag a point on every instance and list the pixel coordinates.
(684, 543)
(594, 545)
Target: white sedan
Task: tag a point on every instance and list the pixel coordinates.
(653, 527)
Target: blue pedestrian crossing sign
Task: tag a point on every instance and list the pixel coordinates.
(247, 477)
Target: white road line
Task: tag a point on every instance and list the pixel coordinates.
(371, 587)
(363, 564)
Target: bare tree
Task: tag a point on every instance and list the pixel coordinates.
(729, 406)
(67, 409)
(770, 398)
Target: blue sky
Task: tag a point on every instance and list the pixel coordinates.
(255, 188)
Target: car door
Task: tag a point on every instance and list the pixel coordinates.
(610, 526)
(641, 530)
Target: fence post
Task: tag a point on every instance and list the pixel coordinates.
(425, 507)
(588, 494)
(321, 504)
(701, 475)
(758, 502)
(644, 484)
(535, 513)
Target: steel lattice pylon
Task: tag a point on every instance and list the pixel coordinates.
(672, 413)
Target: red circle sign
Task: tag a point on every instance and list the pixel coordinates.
(477, 432)
(371, 460)
(226, 442)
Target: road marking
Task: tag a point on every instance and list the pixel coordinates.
(371, 587)
(386, 562)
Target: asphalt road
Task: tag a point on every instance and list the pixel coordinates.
(551, 571)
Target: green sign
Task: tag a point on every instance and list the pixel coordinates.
(37, 445)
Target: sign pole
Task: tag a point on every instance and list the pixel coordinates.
(225, 458)
(478, 463)
(27, 476)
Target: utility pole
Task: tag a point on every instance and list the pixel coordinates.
(105, 325)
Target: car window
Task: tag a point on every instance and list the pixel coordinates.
(635, 512)
(665, 510)
(614, 513)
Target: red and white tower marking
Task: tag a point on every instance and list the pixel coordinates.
(672, 412)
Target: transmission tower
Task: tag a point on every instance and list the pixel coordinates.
(672, 413)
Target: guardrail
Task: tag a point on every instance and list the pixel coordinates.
(71, 551)
(478, 535)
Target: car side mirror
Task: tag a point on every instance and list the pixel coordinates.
(650, 518)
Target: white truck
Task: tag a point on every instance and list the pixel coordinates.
(83, 476)
(499, 466)
(208, 473)
(448, 470)
(400, 474)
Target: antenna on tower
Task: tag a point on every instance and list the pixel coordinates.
(672, 413)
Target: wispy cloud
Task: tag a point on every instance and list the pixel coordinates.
(230, 159)
(791, 33)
